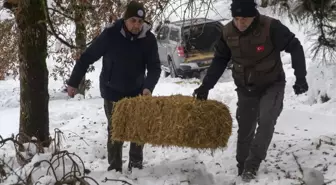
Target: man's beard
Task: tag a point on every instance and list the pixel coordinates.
(135, 31)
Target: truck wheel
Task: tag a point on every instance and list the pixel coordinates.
(166, 74)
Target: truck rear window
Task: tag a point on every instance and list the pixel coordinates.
(174, 35)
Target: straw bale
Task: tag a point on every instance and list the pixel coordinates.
(176, 120)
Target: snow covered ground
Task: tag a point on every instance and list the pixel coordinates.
(306, 129)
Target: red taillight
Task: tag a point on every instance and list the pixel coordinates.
(180, 51)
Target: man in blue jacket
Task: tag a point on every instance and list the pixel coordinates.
(128, 49)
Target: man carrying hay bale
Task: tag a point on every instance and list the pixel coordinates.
(128, 49)
(253, 42)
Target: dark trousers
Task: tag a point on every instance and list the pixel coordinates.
(114, 148)
(263, 110)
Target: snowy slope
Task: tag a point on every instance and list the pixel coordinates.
(305, 129)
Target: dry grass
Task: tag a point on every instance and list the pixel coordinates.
(174, 120)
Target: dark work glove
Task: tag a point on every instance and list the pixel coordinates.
(201, 93)
(300, 86)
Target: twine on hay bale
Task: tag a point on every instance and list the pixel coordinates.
(175, 120)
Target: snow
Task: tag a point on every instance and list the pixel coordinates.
(5, 14)
(305, 130)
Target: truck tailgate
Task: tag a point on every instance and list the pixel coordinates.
(202, 59)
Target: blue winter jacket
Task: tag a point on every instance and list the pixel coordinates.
(126, 58)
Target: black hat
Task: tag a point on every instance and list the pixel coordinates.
(135, 9)
(243, 8)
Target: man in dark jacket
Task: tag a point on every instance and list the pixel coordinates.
(253, 42)
(128, 48)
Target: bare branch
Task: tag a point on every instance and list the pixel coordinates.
(71, 164)
(61, 13)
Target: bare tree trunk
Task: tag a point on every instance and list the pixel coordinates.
(80, 11)
(34, 97)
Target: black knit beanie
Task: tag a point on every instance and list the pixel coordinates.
(135, 9)
(243, 8)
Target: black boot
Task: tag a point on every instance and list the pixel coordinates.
(111, 167)
(114, 152)
(114, 148)
(132, 165)
(240, 169)
(135, 156)
(249, 174)
(251, 167)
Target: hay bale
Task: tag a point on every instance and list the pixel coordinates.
(173, 120)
